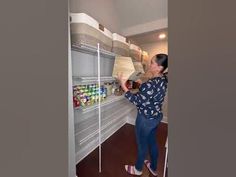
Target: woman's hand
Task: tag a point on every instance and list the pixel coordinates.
(139, 81)
(122, 81)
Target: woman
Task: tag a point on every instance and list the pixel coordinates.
(149, 102)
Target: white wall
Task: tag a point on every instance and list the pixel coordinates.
(103, 11)
(141, 16)
(155, 48)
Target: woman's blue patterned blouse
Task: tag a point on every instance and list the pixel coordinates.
(150, 97)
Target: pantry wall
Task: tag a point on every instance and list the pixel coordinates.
(115, 110)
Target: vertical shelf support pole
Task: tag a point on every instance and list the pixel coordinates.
(99, 111)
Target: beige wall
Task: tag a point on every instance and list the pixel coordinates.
(155, 48)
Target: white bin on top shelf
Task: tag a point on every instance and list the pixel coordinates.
(119, 45)
(86, 30)
(144, 56)
(135, 52)
(145, 60)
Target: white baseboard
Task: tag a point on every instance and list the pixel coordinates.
(163, 120)
(130, 120)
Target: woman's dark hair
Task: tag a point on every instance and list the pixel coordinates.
(162, 60)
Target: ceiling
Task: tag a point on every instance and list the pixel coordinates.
(135, 12)
(142, 20)
(150, 37)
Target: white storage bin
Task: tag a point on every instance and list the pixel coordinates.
(135, 52)
(145, 60)
(144, 56)
(86, 30)
(119, 45)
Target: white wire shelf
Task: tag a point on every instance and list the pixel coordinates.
(86, 80)
(108, 100)
(95, 79)
(92, 50)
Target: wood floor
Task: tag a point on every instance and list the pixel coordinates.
(118, 150)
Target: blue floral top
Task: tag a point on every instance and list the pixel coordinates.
(150, 97)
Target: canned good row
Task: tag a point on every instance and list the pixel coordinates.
(86, 95)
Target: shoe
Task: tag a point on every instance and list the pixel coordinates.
(132, 170)
(148, 165)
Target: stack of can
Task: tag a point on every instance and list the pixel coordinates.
(86, 95)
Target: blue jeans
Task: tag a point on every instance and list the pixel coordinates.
(145, 130)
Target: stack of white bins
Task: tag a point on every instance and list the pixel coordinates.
(145, 60)
(120, 46)
(86, 30)
(144, 56)
(135, 52)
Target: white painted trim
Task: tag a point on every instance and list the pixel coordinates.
(146, 27)
(130, 120)
(71, 123)
(163, 120)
